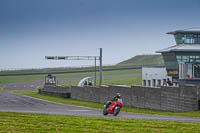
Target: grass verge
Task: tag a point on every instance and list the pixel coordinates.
(100, 105)
(28, 123)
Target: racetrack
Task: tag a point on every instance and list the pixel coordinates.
(10, 102)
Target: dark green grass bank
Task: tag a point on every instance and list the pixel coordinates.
(100, 105)
(36, 123)
(143, 60)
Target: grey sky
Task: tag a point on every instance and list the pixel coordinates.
(31, 29)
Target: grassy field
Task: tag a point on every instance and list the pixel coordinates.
(100, 105)
(128, 80)
(37, 123)
(13, 79)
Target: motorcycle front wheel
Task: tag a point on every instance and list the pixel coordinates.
(116, 111)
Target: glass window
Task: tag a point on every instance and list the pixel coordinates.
(179, 38)
(159, 82)
(149, 82)
(185, 58)
(195, 38)
(192, 57)
(196, 71)
(187, 38)
(153, 82)
(144, 82)
(178, 57)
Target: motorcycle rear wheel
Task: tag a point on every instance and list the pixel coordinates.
(105, 111)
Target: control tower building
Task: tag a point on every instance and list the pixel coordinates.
(182, 61)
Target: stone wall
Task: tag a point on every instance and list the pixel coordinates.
(177, 99)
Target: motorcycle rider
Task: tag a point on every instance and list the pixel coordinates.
(114, 99)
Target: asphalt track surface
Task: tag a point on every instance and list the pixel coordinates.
(10, 102)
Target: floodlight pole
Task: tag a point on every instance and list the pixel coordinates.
(95, 73)
(100, 67)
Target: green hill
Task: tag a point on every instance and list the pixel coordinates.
(144, 60)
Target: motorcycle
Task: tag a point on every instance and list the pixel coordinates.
(113, 107)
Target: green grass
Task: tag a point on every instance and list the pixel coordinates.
(37, 123)
(100, 105)
(143, 60)
(14, 79)
(136, 80)
(128, 80)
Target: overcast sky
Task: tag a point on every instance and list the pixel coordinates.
(32, 29)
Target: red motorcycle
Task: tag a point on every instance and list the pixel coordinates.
(112, 107)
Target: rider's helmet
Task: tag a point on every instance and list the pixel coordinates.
(118, 95)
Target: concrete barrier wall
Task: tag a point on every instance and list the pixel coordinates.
(56, 91)
(177, 99)
(61, 89)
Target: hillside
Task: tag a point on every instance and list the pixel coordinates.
(139, 60)
(144, 60)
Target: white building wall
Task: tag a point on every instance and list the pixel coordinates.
(154, 74)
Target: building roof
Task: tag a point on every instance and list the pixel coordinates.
(181, 48)
(191, 30)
